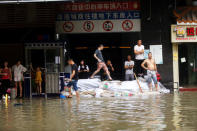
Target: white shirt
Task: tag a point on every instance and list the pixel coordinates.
(139, 48)
(18, 72)
(83, 67)
(129, 63)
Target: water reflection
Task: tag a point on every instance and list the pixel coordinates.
(185, 111)
(142, 112)
(177, 109)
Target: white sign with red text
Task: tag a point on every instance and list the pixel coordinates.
(183, 33)
(97, 26)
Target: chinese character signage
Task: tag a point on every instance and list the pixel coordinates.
(183, 33)
(101, 6)
(98, 17)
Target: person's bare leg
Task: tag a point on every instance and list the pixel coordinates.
(40, 87)
(77, 94)
(108, 74)
(99, 66)
(156, 85)
(21, 89)
(70, 93)
(92, 76)
(150, 87)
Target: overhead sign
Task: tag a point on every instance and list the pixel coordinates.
(108, 25)
(183, 33)
(127, 25)
(99, 17)
(68, 26)
(101, 6)
(88, 26)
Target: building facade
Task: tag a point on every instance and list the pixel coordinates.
(183, 38)
(35, 23)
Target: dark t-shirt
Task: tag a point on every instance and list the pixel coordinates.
(99, 55)
(109, 68)
(74, 68)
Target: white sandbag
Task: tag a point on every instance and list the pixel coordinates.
(98, 88)
(88, 84)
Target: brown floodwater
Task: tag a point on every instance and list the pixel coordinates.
(147, 112)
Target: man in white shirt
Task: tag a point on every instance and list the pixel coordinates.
(139, 57)
(129, 64)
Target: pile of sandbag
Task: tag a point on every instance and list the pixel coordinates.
(97, 88)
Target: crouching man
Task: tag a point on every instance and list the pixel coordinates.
(151, 70)
(73, 78)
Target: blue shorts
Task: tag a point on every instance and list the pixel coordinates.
(74, 84)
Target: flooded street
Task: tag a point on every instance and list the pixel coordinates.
(150, 112)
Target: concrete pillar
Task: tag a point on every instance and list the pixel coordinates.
(175, 64)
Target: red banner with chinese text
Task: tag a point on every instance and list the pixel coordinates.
(101, 6)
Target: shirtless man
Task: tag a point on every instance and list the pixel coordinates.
(151, 70)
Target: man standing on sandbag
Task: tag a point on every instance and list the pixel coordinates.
(129, 64)
(139, 57)
(101, 63)
(151, 70)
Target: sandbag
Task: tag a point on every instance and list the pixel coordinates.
(97, 88)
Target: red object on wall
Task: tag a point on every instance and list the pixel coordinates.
(158, 77)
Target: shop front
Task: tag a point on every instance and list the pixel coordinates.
(184, 43)
(49, 57)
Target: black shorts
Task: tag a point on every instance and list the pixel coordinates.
(5, 85)
(138, 68)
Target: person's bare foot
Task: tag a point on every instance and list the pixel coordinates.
(110, 79)
(70, 96)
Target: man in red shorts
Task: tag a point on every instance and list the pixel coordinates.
(101, 63)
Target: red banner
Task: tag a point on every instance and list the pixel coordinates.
(101, 6)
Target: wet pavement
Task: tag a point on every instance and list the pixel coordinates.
(147, 112)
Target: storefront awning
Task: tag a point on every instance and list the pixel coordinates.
(186, 15)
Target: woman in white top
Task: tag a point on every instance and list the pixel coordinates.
(139, 57)
(18, 71)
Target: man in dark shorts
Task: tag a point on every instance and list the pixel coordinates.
(139, 58)
(101, 63)
(73, 78)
